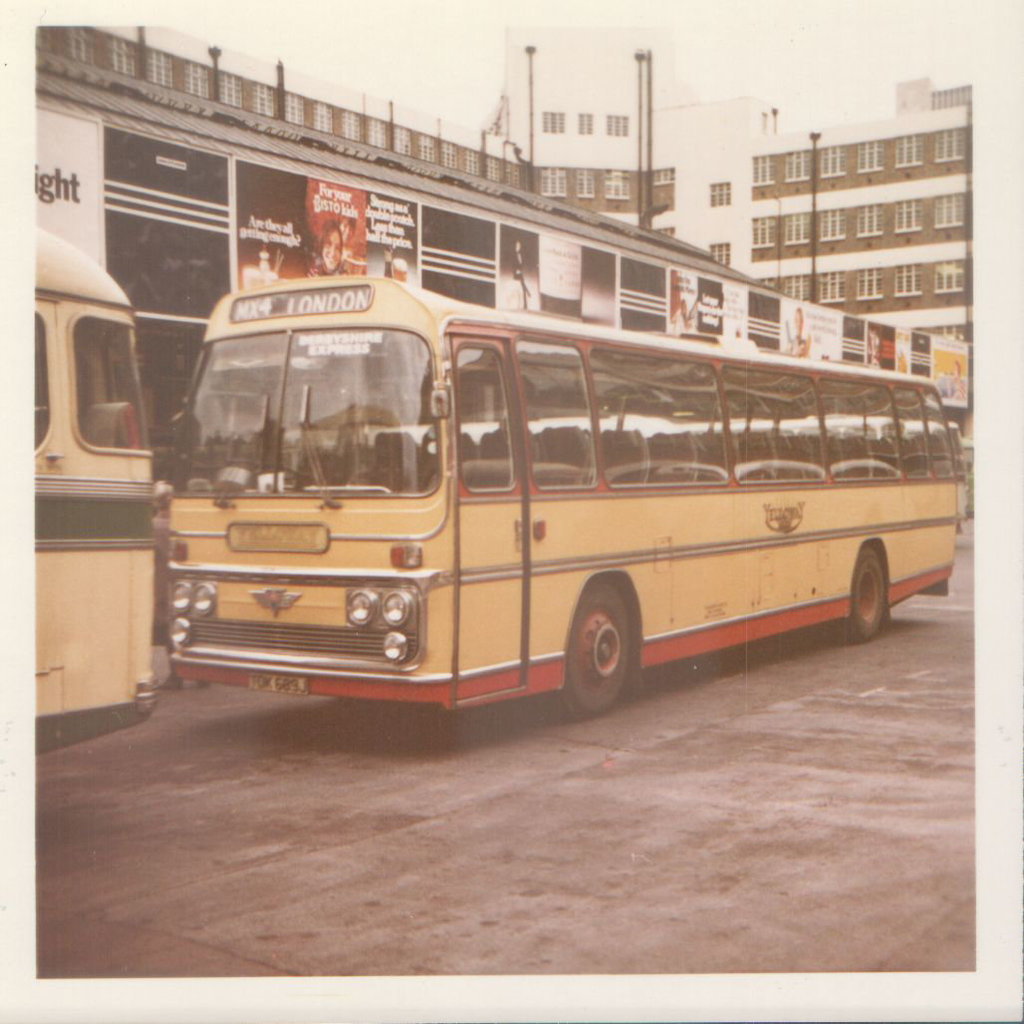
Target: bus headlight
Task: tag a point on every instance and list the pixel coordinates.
(204, 598)
(396, 607)
(361, 606)
(395, 646)
(181, 596)
(180, 632)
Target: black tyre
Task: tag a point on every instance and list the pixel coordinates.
(869, 607)
(600, 654)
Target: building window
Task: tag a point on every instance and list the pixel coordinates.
(122, 55)
(263, 99)
(80, 45)
(616, 185)
(832, 286)
(512, 174)
(426, 147)
(617, 124)
(322, 120)
(402, 140)
(449, 155)
(552, 123)
(949, 211)
(764, 232)
(908, 215)
(797, 228)
(909, 150)
(833, 225)
(908, 280)
(833, 161)
(585, 124)
(552, 181)
(721, 193)
(665, 176)
(159, 69)
(197, 80)
(869, 220)
(350, 125)
(764, 170)
(869, 283)
(494, 170)
(721, 252)
(949, 276)
(869, 156)
(472, 161)
(798, 166)
(230, 89)
(797, 287)
(377, 132)
(949, 145)
(584, 184)
(294, 108)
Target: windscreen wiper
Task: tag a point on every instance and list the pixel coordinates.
(312, 452)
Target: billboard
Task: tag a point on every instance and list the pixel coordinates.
(69, 180)
(542, 273)
(764, 312)
(292, 226)
(735, 304)
(458, 256)
(881, 346)
(950, 369)
(642, 305)
(854, 345)
(167, 224)
(697, 304)
(811, 332)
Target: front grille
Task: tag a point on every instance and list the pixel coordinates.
(323, 641)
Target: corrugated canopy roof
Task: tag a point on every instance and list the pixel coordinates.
(132, 104)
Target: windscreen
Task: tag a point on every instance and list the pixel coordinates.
(311, 411)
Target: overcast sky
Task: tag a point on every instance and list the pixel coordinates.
(822, 62)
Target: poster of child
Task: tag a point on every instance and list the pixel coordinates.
(336, 219)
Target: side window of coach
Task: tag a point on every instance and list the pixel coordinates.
(774, 424)
(860, 429)
(106, 386)
(913, 444)
(557, 415)
(659, 419)
(939, 445)
(485, 437)
(42, 383)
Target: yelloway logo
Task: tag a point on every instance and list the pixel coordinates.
(784, 518)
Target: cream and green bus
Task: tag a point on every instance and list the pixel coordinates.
(383, 494)
(94, 538)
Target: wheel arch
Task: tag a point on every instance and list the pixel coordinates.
(623, 584)
(877, 545)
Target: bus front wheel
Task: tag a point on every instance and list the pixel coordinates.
(599, 655)
(868, 604)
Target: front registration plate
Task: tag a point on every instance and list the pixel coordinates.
(280, 684)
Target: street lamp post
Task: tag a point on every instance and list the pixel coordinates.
(530, 51)
(815, 136)
(649, 207)
(640, 56)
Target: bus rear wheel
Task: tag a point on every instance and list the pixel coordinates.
(869, 608)
(600, 653)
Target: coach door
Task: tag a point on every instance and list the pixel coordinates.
(493, 550)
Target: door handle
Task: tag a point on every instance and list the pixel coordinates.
(519, 534)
